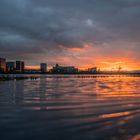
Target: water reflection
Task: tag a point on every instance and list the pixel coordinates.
(70, 108)
(115, 115)
(137, 137)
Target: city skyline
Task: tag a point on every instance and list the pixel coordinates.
(69, 69)
(83, 33)
(21, 66)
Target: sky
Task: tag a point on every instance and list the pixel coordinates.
(83, 33)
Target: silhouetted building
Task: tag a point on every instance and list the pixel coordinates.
(92, 70)
(20, 66)
(2, 64)
(43, 67)
(10, 67)
(64, 69)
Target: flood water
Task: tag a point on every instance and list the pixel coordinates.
(70, 108)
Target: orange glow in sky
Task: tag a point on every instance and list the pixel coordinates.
(113, 66)
(32, 67)
(89, 56)
(103, 65)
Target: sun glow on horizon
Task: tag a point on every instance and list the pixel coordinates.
(32, 67)
(103, 66)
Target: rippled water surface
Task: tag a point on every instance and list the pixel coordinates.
(70, 108)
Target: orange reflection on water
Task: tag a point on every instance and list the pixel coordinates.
(117, 86)
(137, 137)
(115, 115)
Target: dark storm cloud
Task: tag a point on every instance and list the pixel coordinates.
(30, 27)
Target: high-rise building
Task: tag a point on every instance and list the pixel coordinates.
(43, 67)
(20, 66)
(2, 64)
(10, 66)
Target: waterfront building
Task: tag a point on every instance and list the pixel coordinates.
(10, 67)
(20, 66)
(64, 69)
(92, 70)
(2, 64)
(43, 67)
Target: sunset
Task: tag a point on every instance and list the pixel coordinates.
(69, 69)
(82, 33)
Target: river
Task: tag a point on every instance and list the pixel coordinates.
(70, 108)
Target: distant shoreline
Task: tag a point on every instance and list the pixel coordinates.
(8, 77)
(80, 73)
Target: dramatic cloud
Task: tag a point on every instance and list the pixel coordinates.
(75, 32)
